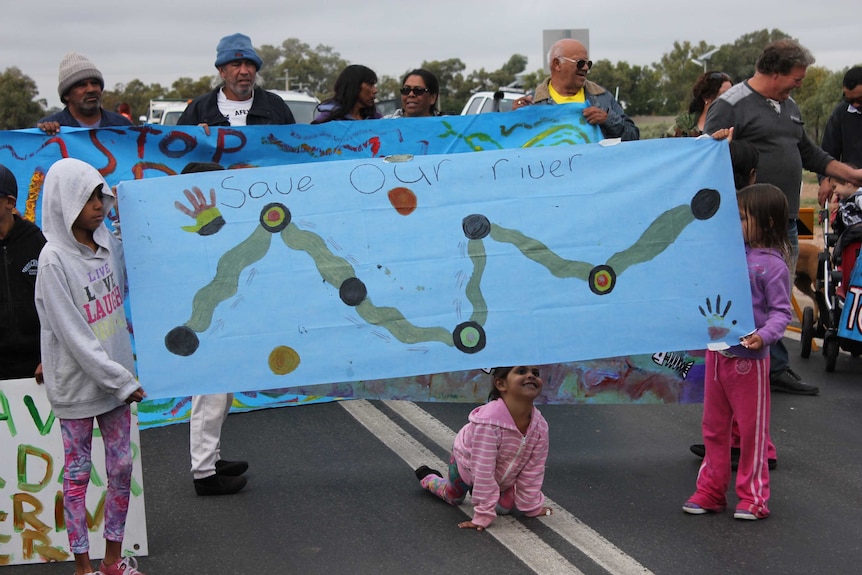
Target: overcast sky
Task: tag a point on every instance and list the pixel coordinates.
(162, 40)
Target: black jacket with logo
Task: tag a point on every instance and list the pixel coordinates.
(267, 108)
(19, 323)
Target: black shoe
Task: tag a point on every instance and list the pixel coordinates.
(230, 468)
(788, 382)
(219, 485)
(699, 449)
(424, 471)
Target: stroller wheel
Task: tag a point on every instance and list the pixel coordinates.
(807, 333)
(830, 352)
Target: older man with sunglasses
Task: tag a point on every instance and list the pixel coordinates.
(569, 62)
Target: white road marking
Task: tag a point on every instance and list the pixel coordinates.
(524, 544)
(572, 529)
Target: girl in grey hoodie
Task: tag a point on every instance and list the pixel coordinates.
(86, 350)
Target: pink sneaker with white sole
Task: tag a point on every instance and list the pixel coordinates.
(125, 566)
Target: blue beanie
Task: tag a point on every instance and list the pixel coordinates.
(236, 47)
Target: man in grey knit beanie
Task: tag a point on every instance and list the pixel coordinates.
(80, 87)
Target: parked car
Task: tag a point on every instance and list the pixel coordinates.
(499, 101)
(165, 112)
(387, 107)
(301, 104)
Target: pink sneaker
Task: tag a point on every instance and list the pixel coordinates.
(506, 502)
(125, 566)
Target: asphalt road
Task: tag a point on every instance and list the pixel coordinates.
(331, 491)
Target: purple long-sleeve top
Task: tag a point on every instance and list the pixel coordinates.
(770, 298)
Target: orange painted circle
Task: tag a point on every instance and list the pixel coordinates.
(403, 200)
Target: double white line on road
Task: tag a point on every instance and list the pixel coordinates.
(522, 542)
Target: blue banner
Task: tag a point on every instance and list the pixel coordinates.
(386, 268)
(146, 151)
(850, 326)
(153, 151)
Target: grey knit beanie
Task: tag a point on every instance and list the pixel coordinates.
(75, 68)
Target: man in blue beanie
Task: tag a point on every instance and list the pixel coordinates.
(237, 102)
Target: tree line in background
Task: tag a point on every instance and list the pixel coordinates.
(660, 89)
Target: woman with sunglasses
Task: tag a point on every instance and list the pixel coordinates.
(708, 87)
(419, 93)
(354, 94)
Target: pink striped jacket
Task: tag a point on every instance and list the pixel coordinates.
(493, 456)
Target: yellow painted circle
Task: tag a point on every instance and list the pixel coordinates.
(283, 360)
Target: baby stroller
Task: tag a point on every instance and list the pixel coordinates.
(836, 262)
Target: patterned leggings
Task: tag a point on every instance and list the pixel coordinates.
(452, 491)
(77, 445)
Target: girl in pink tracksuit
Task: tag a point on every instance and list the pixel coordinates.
(736, 386)
(500, 454)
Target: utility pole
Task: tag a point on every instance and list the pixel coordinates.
(286, 80)
(703, 59)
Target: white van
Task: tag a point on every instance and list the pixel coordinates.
(301, 104)
(165, 112)
(499, 101)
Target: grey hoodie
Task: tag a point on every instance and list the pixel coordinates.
(86, 348)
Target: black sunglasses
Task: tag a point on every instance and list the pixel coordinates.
(417, 91)
(579, 63)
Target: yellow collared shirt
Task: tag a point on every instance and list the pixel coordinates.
(560, 99)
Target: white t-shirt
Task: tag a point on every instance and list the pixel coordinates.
(234, 111)
(95, 124)
(776, 105)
